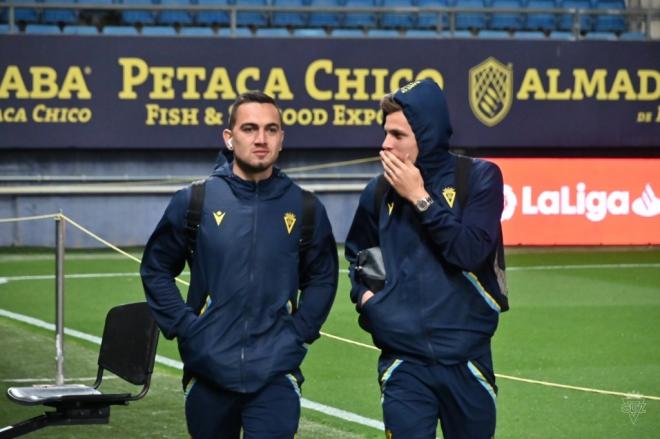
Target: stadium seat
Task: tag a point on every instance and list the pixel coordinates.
(506, 20)
(251, 18)
(470, 20)
(347, 33)
(158, 31)
(383, 33)
(128, 350)
(75, 29)
(632, 36)
(61, 16)
(21, 15)
(272, 32)
(362, 19)
(397, 20)
(42, 29)
(429, 20)
(307, 32)
(215, 18)
(610, 23)
(422, 33)
(594, 35)
(119, 30)
(461, 34)
(529, 35)
(289, 18)
(493, 34)
(566, 20)
(181, 17)
(4, 28)
(196, 31)
(541, 20)
(137, 16)
(561, 35)
(324, 19)
(239, 32)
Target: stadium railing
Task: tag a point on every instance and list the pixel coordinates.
(637, 20)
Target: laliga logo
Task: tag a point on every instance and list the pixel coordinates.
(595, 205)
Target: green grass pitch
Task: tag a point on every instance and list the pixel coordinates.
(586, 318)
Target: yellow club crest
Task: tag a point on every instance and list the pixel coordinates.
(219, 216)
(289, 221)
(390, 208)
(491, 91)
(450, 195)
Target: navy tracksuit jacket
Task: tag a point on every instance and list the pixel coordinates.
(441, 300)
(242, 324)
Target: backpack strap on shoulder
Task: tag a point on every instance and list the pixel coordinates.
(462, 175)
(379, 194)
(194, 215)
(308, 221)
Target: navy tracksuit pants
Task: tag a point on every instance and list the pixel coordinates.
(271, 413)
(415, 396)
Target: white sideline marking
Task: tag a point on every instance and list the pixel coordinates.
(306, 403)
(6, 279)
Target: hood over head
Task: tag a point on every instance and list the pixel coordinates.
(425, 108)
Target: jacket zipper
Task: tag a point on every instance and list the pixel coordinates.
(253, 251)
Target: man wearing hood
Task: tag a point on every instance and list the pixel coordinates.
(438, 309)
(243, 330)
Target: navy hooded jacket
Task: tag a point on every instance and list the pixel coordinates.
(441, 298)
(242, 323)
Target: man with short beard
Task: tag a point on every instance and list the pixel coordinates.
(243, 330)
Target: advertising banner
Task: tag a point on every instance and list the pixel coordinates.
(581, 201)
(167, 92)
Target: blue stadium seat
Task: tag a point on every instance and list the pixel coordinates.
(119, 30)
(289, 18)
(42, 29)
(541, 20)
(324, 19)
(506, 20)
(470, 20)
(566, 20)
(196, 31)
(240, 32)
(137, 16)
(422, 33)
(461, 34)
(21, 15)
(213, 17)
(272, 32)
(347, 33)
(494, 34)
(632, 36)
(529, 35)
(594, 35)
(307, 32)
(429, 20)
(74, 29)
(175, 16)
(158, 31)
(610, 23)
(4, 28)
(64, 16)
(383, 33)
(398, 20)
(561, 35)
(251, 18)
(359, 19)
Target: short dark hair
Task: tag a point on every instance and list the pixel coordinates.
(251, 96)
(389, 105)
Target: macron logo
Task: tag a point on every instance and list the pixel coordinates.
(648, 205)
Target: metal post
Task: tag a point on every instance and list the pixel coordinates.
(59, 299)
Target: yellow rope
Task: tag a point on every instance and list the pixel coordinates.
(345, 340)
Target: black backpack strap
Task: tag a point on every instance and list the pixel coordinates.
(194, 215)
(307, 225)
(462, 175)
(381, 188)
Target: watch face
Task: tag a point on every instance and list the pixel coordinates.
(422, 204)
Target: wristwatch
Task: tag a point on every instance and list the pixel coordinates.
(423, 204)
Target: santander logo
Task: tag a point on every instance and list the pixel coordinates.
(594, 205)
